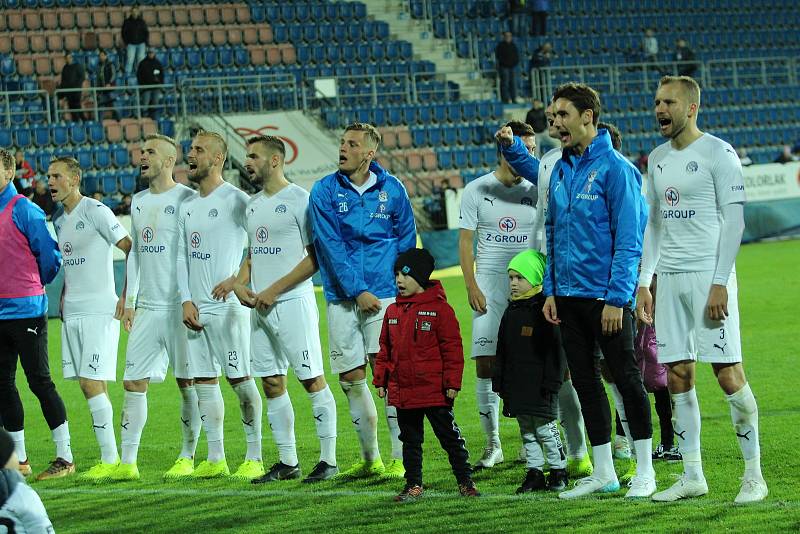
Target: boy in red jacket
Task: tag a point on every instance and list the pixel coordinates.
(419, 367)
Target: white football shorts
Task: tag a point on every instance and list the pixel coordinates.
(353, 334)
(222, 346)
(89, 347)
(486, 325)
(157, 340)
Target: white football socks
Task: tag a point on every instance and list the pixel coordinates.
(571, 418)
(281, 420)
(251, 406)
(744, 414)
(212, 413)
(364, 416)
(62, 441)
(134, 417)
(323, 407)
(394, 429)
(19, 444)
(686, 421)
(102, 422)
(643, 448)
(190, 422)
(603, 462)
(488, 411)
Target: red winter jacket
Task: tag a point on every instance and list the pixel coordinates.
(421, 354)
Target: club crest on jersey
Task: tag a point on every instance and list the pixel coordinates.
(383, 196)
(213, 213)
(526, 201)
(147, 234)
(169, 210)
(195, 240)
(590, 181)
(507, 224)
(692, 167)
(281, 208)
(262, 234)
(79, 226)
(671, 196)
(67, 248)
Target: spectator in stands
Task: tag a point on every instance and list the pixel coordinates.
(507, 56)
(124, 207)
(518, 11)
(649, 46)
(786, 156)
(105, 79)
(684, 53)
(537, 119)
(98, 196)
(151, 72)
(72, 77)
(23, 178)
(135, 35)
(42, 198)
(744, 159)
(539, 9)
(542, 56)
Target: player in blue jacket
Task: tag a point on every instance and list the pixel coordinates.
(362, 218)
(594, 230)
(30, 259)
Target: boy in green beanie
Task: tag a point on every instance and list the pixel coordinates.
(529, 371)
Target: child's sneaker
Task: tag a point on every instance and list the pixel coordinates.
(622, 449)
(658, 454)
(468, 489)
(534, 480)
(557, 480)
(410, 493)
(672, 455)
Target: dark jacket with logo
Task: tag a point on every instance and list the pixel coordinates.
(529, 367)
(421, 354)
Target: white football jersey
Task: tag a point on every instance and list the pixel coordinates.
(546, 166)
(211, 242)
(502, 218)
(689, 187)
(279, 231)
(152, 263)
(86, 237)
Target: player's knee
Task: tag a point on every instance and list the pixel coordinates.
(730, 377)
(135, 386)
(184, 383)
(41, 386)
(273, 386)
(312, 385)
(484, 367)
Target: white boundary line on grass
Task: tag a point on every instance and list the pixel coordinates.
(545, 497)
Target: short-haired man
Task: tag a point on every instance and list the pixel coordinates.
(498, 209)
(516, 154)
(87, 233)
(153, 314)
(594, 226)
(30, 259)
(211, 242)
(362, 218)
(285, 318)
(696, 198)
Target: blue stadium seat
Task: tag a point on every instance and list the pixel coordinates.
(240, 57)
(90, 184)
(475, 158)
(449, 135)
(7, 66)
(280, 34)
(109, 183)
(177, 59)
(84, 157)
(311, 33)
(95, 132)
(419, 136)
(394, 116)
(435, 136)
(295, 33)
(444, 159)
(77, 133)
(439, 113)
(102, 157)
(194, 59)
(257, 13)
(288, 12)
(127, 182)
(6, 138)
(272, 13)
(41, 135)
(22, 137)
(460, 158)
(120, 156)
(424, 114)
(339, 32)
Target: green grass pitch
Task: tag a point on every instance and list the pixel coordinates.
(768, 289)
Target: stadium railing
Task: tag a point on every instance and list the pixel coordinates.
(15, 106)
(636, 77)
(127, 100)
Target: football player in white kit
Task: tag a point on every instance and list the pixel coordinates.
(87, 233)
(153, 314)
(696, 197)
(211, 243)
(498, 209)
(285, 318)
